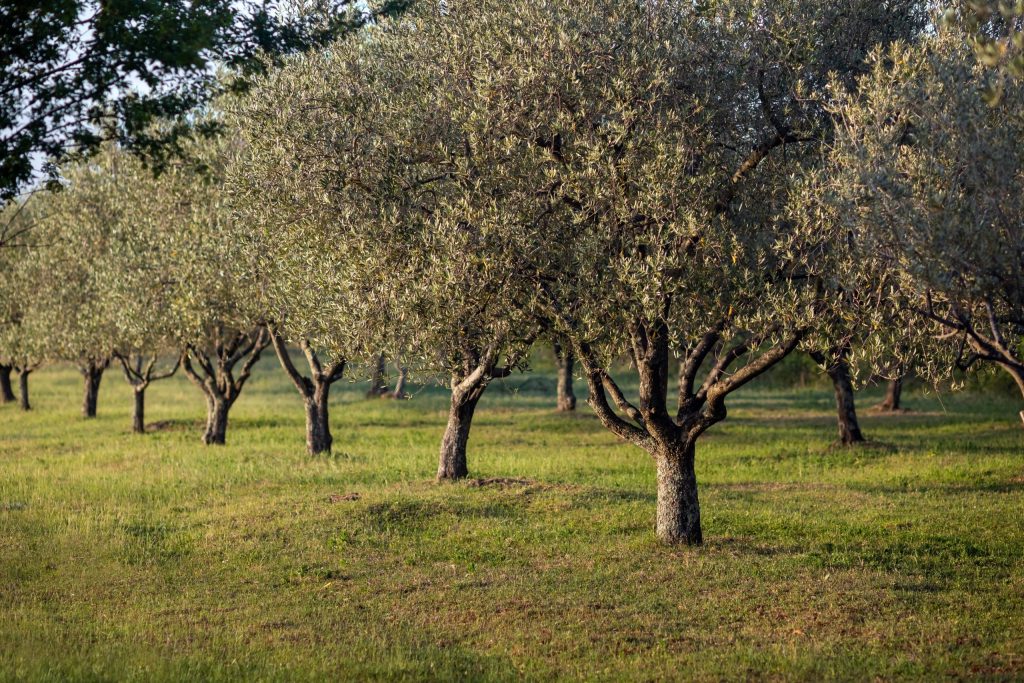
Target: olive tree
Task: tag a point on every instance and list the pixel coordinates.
(927, 177)
(651, 150)
(378, 220)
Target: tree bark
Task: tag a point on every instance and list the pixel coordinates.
(216, 420)
(893, 394)
(378, 387)
(23, 389)
(1018, 376)
(849, 428)
(92, 374)
(139, 411)
(403, 376)
(566, 401)
(678, 515)
(318, 427)
(6, 390)
(452, 462)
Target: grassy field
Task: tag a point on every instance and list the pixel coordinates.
(127, 557)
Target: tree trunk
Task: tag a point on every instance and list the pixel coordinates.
(678, 517)
(1018, 376)
(216, 420)
(139, 412)
(452, 462)
(849, 429)
(566, 397)
(6, 390)
(403, 376)
(92, 374)
(23, 387)
(318, 428)
(893, 394)
(378, 387)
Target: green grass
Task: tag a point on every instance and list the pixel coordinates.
(155, 558)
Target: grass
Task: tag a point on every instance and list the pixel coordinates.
(155, 558)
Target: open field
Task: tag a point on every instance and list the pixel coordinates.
(155, 558)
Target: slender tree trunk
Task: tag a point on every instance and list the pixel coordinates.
(1018, 376)
(452, 461)
(378, 387)
(893, 394)
(23, 389)
(217, 409)
(849, 428)
(318, 427)
(566, 396)
(403, 376)
(93, 375)
(6, 390)
(139, 411)
(678, 516)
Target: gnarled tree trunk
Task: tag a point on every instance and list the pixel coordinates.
(378, 385)
(217, 408)
(92, 374)
(403, 377)
(139, 372)
(1017, 372)
(6, 390)
(566, 400)
(23, 388)
(315, 391)
(678, 514)
(452, 461)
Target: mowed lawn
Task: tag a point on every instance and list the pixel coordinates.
(126, 557)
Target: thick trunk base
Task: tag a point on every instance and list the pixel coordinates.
(846, 410)
(678, 516)
(452, 461)
(6, 389)
(139, 412)
(216, 422)
(318, 429)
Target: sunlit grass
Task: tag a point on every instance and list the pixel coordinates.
(156, 558)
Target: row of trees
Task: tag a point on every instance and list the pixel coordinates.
(711, 186)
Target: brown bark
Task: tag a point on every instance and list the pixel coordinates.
(139, 410)
(217, 408)
(6, 390)
(315, 391)
(23, 388)
(213, 373)
(893, 395)
(378, 386)
(92, 375)
(403, 377)
(566, 401)
(678, 514)
(140, 372)
(452, 461)
(1017, 372)
(838, 371)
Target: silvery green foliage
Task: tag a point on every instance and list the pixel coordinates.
(928, 179)
(21, 328)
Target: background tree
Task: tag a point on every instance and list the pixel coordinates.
(927, 175)
(372, 176)
(76, 72)
(564, 363)
(837, 366)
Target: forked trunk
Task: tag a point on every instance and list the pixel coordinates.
(566, 396)
(678, 516)
(23, 389)
(6, 390)
(216, 420)
(92, 375)
(452, 462)
(318, 428)
(139, 412)
(893, 394)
